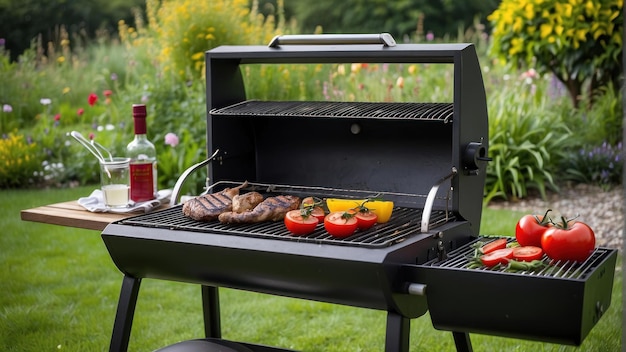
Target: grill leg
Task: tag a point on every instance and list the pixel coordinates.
(124, 315)
(211, 311)
(397, 335)
(462, 341)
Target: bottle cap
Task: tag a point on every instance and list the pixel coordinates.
(139, 110)
(139, 117)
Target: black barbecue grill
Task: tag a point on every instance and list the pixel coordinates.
(429, 158)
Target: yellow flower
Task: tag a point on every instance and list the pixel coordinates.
(66, 90)
(545, 30)
(61, 59)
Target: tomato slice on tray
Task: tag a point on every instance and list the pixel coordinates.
(493, 245)
(340, 224)
(527, 253)
(298, 224)
(498, 256)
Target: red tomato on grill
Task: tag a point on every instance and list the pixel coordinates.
(315, 209)
(298, 224)
(493, 245)
(530, 228)
(319, 213)
(527, 253)
(340, 224)
(365, 219)
(569, 241)
(499, 256)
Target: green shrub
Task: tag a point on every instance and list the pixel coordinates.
(185, 29)
(527, 141)
(19, 162)
(579, 41)
(602, 165)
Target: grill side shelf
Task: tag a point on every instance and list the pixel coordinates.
(571, 297)
(442, 112)
(459, 259)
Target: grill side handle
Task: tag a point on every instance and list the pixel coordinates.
(182, 178)
(430, 199)
(325, 39)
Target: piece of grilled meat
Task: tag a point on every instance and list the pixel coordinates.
(207, 207)
(271, 209)
(246, 201)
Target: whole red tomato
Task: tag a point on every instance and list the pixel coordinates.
(572, 240)
(530, 228)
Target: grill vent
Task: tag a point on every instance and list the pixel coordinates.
(416, 111)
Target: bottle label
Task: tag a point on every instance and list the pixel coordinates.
(141, 182)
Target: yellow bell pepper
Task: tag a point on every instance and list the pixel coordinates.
(381, 208)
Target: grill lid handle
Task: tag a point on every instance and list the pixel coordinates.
(325, 39)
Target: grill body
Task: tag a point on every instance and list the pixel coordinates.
(404, 151)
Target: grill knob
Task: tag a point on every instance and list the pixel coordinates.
(475, 154)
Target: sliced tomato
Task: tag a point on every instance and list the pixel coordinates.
(298, 224)
(493, 245)
(315, 208)
(340, 224)
(527, 253)
(365, 219)
(499, 256)
(319, 213)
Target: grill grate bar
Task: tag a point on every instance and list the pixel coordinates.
(418, 111)
(404, 223)
(460, 259)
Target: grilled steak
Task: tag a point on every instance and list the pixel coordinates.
(207, 207)
(271, 209)
(246, 201)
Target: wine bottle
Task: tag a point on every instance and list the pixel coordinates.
(143, 163)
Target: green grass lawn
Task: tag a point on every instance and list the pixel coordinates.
(60, 289)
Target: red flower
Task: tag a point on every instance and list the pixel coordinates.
(91, 136)
(80, 111)
(57, 117)
(93, 98)
(107, 93)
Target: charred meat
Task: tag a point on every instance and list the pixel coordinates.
(246, 201)
(209, 206)
(271, 209)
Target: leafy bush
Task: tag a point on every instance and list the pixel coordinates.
(527, 141)
(19, 161)
(579, 41)
(601, 165)
(185, 29)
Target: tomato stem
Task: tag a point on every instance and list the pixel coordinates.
(545, 220)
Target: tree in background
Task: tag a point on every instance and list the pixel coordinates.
(403, 19)
(23, 21)
(579, 41)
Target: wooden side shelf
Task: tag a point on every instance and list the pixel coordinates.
(71, 214)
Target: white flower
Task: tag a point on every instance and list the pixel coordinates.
(45, 101)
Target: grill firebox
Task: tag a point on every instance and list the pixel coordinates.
(429, 158)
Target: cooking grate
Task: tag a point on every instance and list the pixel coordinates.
(417, 111)
(404, 223)
(460, 259)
